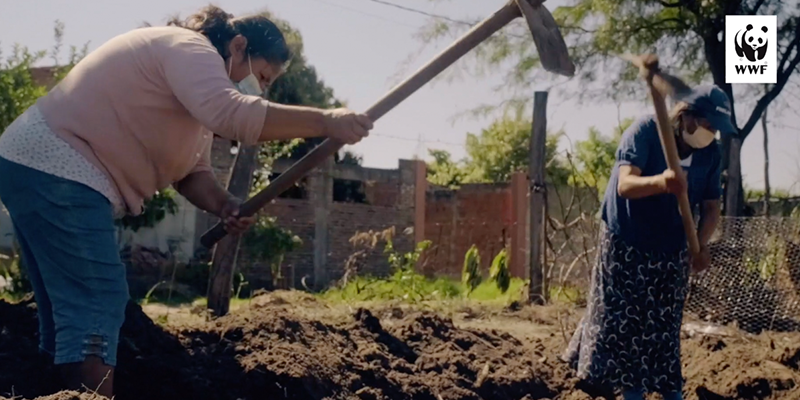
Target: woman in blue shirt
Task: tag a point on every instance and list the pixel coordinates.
(629, 338)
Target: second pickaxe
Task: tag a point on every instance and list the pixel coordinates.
(662, 85)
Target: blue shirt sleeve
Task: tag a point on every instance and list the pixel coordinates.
(635, 144)
(714, 184)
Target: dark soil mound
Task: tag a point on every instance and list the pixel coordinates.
(277, 355)
(271, 353)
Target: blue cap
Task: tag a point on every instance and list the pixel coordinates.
(711, 103)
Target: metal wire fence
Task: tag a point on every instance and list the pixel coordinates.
(753, 282)
(754, 279)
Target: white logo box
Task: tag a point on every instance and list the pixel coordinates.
(751, 49)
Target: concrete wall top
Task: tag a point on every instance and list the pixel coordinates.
(351, 172)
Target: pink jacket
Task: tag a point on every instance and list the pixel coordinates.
(143, 106)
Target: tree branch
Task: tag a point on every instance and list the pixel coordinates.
(577, 28)
(783, 77)
(756, 7)
(657, 24)
(679, 3)
(794, 44)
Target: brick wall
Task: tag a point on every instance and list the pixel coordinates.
(457, 219)
(382, 194)
(388, 201)
(490, 216)
(345, 220)
(348, 219)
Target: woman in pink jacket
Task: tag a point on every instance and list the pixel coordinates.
(135, 116)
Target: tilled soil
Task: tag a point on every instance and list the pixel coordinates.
(275, 353)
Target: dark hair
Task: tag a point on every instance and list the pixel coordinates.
(264, 38)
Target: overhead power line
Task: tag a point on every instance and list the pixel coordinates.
(404, 8)
(364, 13)
(417, 11)
(432, 15)
(418, 140)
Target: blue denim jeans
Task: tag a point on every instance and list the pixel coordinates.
(67, 238)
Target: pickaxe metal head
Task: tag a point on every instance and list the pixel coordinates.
(553, 52)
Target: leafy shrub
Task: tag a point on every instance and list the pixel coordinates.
(471, 274)
(269, 243)
(155, 210)
(499, 271)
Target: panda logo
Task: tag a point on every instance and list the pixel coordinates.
(752, 43)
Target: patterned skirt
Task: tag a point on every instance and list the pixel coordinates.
(629, 337)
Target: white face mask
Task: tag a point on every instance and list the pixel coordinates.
(249, 85)
(701, 138)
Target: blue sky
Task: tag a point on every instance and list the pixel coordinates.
(358, 48)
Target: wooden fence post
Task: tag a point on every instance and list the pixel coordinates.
(537, 291)
(225, 252)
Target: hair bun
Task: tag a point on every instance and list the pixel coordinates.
(208, 18)
(211, 21)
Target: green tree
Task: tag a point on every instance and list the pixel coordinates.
(18, 88)
(493, 155)
(348, 157)
(687, 35)
(443, 171)
(504, 147)
(595, 157)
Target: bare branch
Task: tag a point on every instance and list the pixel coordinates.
(786, 55)
(576, 28)
(784, 73)
(756, 7)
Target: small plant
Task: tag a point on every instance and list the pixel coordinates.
(269, 243)
(239, 283)
(405, 279)
(766, 261)
(471, 274)
(405, 282)
(155, 210)
(499, 271)
(364, 244)
(12, 272)
(404, 261)
(162, 319)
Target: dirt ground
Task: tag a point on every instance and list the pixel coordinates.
(288, 345)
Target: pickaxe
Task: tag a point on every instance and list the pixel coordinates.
(552, 53)
(661, 85)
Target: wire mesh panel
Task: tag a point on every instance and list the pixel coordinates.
(754, 279)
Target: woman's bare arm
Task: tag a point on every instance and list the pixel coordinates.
(290, 122)
(632, 185)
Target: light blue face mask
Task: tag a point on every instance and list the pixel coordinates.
(250, 85)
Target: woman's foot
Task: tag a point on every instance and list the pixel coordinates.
(91, 375)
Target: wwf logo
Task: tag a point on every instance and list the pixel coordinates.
(752, 43)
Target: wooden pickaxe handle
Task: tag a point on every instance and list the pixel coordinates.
(329, 147)
(662, 85)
